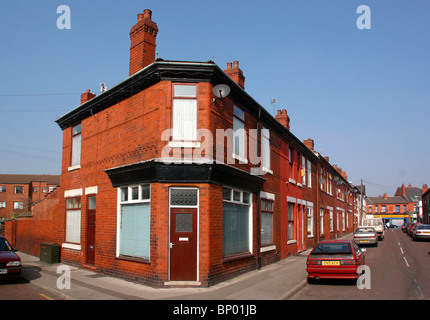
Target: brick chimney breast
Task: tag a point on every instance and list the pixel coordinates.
(142, 35)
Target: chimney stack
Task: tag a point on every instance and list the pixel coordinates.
(309, 143)
(235, 73)
(425, 188)
(142, 36)
(86, 96)
(385, 196)
(283, 118)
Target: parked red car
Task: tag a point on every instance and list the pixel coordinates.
(10, 262)
(411, 228)
(335, 259)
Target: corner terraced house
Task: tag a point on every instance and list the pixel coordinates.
(132, 204)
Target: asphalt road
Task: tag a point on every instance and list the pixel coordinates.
(398, 271)
(22, 289)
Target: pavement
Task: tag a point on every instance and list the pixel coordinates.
(277, 281)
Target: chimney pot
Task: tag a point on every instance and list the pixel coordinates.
(147, 14)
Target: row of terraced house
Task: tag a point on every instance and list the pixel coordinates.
(169, 179)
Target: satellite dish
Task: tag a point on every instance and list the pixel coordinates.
(221, 91)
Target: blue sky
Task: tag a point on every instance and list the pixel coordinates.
(362, 95)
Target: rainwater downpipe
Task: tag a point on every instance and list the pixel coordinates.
(258, 196)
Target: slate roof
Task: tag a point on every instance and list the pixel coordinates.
(28, 178)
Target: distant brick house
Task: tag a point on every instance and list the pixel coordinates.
(18, 192)
(166, 183)
(404, 206)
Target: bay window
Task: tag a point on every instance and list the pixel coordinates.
(134, 222)
(237, 222)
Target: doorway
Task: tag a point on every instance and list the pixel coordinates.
(183, 244)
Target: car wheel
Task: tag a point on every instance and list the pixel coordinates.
(311, 280)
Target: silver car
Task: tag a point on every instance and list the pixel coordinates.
(421, 232)
(366, 235)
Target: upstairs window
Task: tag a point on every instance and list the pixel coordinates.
(239, 140)
(184, 112)
(19, 189)
(76, 145)
(265, 145)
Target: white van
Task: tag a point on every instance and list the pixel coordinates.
(377, 224)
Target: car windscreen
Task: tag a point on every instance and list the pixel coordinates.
(332, 248)
(5, 246)
(365, 230)
(424, 226)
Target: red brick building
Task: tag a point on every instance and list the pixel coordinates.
(405, 206)
(166, 183)
(18, 192)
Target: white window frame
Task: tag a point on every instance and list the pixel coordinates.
(303, 172)
(18, 205)
(130, 200)
(73, 220)
(331, 221)
(19, 188)
(265, 148)
(293, 221)
(239, 135)
(246, 202)
(184, 116)
(310, 221)
(76, 146)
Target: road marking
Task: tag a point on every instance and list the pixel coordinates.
(406, 261)
(46, 297)
(401, 250)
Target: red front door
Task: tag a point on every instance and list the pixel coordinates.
(91, 230)
(183, 244)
